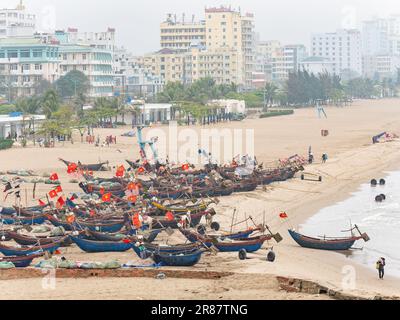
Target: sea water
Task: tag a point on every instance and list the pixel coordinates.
(381, 221)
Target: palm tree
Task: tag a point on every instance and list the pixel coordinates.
(50, 103)
(269, 94)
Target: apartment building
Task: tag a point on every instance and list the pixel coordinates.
(380, 67)
(17, 22)
(96, 64)
(222, 27)
(24, 63)
(167, 64)
(223, 65)
(180, 35)
(343, 48)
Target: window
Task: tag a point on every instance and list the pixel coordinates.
(14, 67)
(12, 54)
(25, 54)
(37, 53)
(38, 67)
(84, 56)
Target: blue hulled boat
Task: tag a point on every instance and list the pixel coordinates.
(335, 244)
(101, 246)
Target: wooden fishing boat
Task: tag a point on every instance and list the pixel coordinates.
(101, 246)
(183, 208)
(21, 261)
(178, 259)
(101, 236)
(28, 241)
(323, 243)
(29, 211)
(32, 220)
(252, 244)
(87, 167)
(28, 250)
(91, 188)
(195, 218)
(101, 226)
(107, 226)
(144, 250)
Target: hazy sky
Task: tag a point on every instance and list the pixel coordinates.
(137, 21)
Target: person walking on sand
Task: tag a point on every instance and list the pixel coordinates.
(380, 265)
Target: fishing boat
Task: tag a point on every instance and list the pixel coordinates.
(28, 250)
(28, 241)
(32, 220)
(21, 261)
(145, 250)
(251, 244)
(86, 167)
(325, 243)
(178, 259)
(101, 246)
(106, 226)
(148, 236)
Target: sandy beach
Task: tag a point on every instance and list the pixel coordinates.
(352, 160)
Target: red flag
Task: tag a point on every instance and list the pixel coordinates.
(53, 194)
(120, 171)
(54, 177)
(106, 197)
(141, 170)
(131, 186)
(136, 220)
(72, 168)
(41, 203)
(60, 202)
(283, 215)
(126, 241)
(169, 216)
(71, 219)
(132, 198)
(58, 189)
(185, 167)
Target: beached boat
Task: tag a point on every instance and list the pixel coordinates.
(21, 261)
(324, 243)
(148, 236)
(252, 244)
(86, 167)
(31, 241)
(28, 250)
(32, 220)
(178, 259)
(101, 246)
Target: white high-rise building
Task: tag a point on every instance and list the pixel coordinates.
(17, 22)
(343, 48)
(375, 37)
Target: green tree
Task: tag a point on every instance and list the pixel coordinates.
(72, 84)
(50, 103)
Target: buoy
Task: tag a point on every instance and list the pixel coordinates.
(382, 182)
(242, 254)
(378, 199)
(271, 256)
(374, 182)
(201, 229)
(215, 226)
